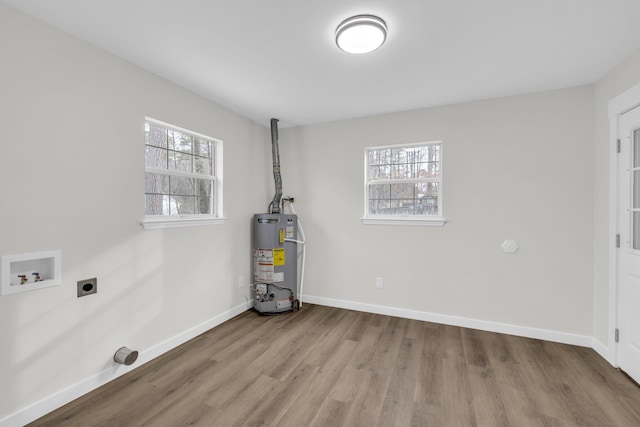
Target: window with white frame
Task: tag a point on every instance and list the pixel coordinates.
(404, 184)
(183, 177)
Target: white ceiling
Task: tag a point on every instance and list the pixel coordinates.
(278, 58)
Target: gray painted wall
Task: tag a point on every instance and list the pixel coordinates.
(72, 173)
(513, 168)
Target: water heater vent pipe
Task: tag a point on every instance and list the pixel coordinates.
(274, 207)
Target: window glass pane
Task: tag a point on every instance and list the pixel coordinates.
(379, 191)
(427, 198)
(636, 148)
(402, 191)
(169, 205)
(180, 161)
(412, 169)
(424, 189)
(181, 142)
(202, 165)
(203, 205)
(155, 157)
(636, 189)
(182, 186)
(380, 172)
(203, 187)
(422, 153)
(402, 206)
(428, 206)
(636, 230)
(378, 207)
(428, 170)
(374, 173)
(379, 157)
(155, 135)
(372, 157)
(185, 205)
(430, 153)
(156, 183)
(404, 199)
(202, 148)
(395, 156)
(434, 155)
(401, 171)
(386, 157)
(153, 204)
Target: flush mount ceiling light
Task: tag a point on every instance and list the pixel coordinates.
(361, 34)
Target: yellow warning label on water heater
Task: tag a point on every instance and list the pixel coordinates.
(278, 256)
(282, 235)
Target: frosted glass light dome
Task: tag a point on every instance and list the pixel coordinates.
(361, 34)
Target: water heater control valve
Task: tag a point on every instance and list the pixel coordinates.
(261, 289)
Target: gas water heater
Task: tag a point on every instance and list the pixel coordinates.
(275, 249)
(275, 261)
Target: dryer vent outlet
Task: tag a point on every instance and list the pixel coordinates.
(87, 287)
(125, 356)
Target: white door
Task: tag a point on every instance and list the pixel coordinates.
(629, 252)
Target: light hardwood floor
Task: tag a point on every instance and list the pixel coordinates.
(324, 366)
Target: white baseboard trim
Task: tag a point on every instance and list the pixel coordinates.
(503, 328)
(604, 351)
(64, 396)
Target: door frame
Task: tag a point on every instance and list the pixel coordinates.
(619, 105)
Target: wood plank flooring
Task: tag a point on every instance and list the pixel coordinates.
(324, 366)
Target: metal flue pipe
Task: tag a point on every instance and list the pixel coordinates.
(274, 207)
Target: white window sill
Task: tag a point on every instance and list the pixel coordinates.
(155, 223)
(425, 222)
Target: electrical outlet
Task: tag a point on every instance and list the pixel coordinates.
(379, 283)
(240, 281)
(87, 287)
